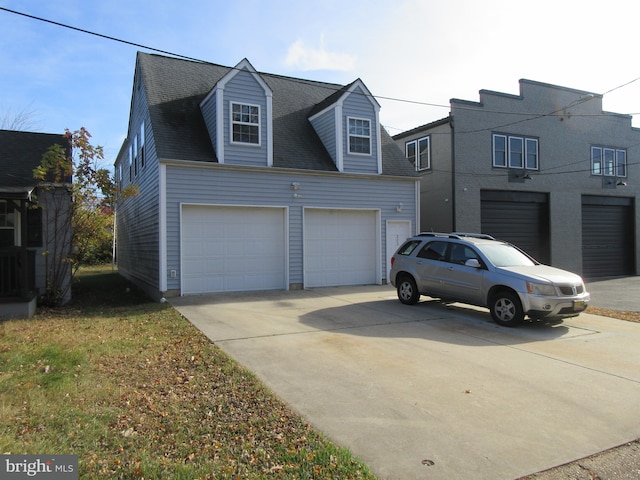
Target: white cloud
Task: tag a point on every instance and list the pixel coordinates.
(302, 57)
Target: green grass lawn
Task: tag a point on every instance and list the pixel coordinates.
(136, 391)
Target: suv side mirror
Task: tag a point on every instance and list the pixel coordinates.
(473, 262)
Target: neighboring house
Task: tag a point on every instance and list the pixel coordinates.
(28, 220)
(252, 181)
(547, 169)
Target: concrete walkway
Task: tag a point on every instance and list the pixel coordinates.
(434, 392)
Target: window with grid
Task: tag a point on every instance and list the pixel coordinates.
(359, 136)
(245, 123)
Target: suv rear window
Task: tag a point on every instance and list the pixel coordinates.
(408, 247)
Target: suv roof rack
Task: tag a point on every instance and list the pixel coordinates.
(458, 235)
(473, 235)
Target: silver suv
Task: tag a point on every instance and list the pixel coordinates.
(479, 270)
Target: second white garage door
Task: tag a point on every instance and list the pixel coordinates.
(226, 249)
(340, 247)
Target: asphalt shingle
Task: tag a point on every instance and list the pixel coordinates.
(20, 154)
(175, 88)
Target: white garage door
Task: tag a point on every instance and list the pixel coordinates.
(340, 247)
(227, 249)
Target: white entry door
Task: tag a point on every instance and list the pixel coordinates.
(397, 232)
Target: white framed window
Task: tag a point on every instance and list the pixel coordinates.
(418, 152)
(7, 225)
(500, 151)
(130, 162)
(608, 161)
(359, 135)
(245, 123)
(621, 163)
(512, 151)
(410, 151)
(141, 145)
(516, 152)
(135, 156)
(531, 153)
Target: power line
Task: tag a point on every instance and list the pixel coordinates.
(530, 116)
(380, 97)
(107, 37)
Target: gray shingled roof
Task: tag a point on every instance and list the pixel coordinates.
(20, 154)
(175, 88)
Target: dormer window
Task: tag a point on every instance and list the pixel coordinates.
(245, 123)
(359, 136)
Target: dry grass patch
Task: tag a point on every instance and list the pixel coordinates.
(136, 391)
(619, 314)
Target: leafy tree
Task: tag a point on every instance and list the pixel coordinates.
(75, 232)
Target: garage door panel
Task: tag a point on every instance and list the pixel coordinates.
(233, 249)
(340, 247)
(607, 237)
(520, 218)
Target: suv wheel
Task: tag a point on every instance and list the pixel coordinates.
(407, 290)
(506, 309)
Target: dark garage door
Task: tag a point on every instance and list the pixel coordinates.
(607, 237)
(521, 218)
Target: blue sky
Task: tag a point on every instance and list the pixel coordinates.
(408, 52)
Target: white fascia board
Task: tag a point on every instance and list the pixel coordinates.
(339, 138)
(360, 84)
(245, 65)
(378, 142)
(162, 227)
(220, 123)
(325, 110)
(269, 128)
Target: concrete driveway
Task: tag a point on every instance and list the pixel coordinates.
(434, 392)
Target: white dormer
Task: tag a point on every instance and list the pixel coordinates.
(238, 115)
(349, 127)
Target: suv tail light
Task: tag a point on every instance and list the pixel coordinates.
(393, 259)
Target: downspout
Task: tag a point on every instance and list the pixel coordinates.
(453, 174)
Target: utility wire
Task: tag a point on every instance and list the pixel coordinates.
(530, 116)
(193, 59)
(107, 37)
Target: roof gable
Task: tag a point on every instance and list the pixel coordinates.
(175, 89)
(340, 96)
(244, 65)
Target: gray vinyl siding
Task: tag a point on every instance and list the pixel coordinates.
(358, 105)
(210, 115)
(221, 185)
(243, 88)
(325, 127)
(137, 217)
